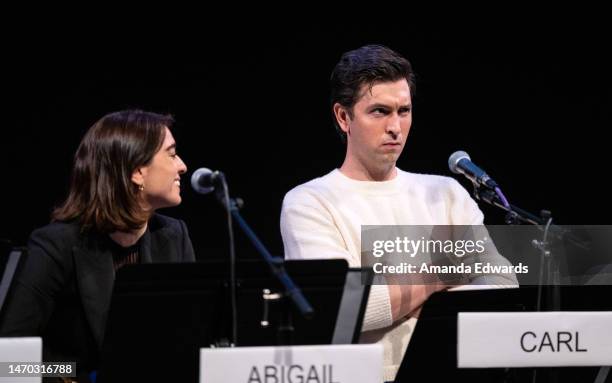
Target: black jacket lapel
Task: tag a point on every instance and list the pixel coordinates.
(145, 247)
(95, 276)
(95, 273)
(158, 239)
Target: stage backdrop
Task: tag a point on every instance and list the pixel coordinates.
(531, 108)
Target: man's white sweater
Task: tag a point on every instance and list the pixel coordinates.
(322, 219)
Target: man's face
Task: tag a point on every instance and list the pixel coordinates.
(379, 125)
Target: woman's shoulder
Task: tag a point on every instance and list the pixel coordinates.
(60, 231)
(55, 239)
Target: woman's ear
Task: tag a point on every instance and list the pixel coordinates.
(139, 175)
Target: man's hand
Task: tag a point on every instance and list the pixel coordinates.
(408, 299)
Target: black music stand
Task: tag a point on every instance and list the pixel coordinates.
(162, 314)
(432, 352)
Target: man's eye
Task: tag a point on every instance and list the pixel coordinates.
(405, 110)
(379, 111)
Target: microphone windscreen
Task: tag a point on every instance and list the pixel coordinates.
(200, 181)
(454, 159)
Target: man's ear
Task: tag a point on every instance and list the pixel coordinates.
(343, 117)
(139, 175)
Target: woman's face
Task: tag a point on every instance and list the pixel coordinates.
(161, 178)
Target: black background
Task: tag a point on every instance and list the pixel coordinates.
(528, 100)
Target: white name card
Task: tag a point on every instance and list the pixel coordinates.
(292, 364)
(534, 339)
(20, 350)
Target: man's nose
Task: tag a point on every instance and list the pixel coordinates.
(393, 126)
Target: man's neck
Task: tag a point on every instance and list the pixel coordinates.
(126, 239)
(362, 173)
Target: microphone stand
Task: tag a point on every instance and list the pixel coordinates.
(549, 266)
(276, 265)
(550, 274)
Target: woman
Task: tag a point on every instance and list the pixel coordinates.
(125, 168)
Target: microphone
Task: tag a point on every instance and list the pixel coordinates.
(460, 163)
(204, 180)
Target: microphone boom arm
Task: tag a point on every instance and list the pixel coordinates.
(276, 263)
(516, 214)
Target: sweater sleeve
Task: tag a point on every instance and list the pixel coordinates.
(309, 232)
(464, 211)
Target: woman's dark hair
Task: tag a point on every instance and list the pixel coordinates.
(369, 65)
(102, 195)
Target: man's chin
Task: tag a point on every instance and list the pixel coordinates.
(389, 158)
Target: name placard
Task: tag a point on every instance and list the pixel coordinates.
(15, 353)
(292, 364)
(534, 339)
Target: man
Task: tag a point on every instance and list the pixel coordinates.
(371, 97)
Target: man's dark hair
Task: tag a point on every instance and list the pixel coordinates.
(368, 65)
(102, 195)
